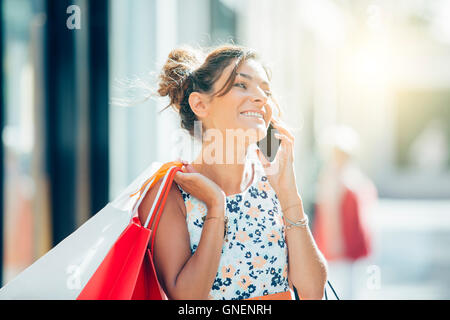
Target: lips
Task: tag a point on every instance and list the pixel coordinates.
(253, 114)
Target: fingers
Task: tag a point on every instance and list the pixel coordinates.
(277, 124)
(187, 167)
(270, 168)
(265, 163)
(187, 171)
(181, 175)
(286, 144)
(284, 138)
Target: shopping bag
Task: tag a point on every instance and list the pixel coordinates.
(117, 276)
(70, 269)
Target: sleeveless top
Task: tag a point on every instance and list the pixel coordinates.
(254, 260)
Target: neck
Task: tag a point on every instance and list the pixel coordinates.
(232, 176)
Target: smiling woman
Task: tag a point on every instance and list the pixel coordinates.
(222, 234)
(187, 70)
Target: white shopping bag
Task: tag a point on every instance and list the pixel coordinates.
(64, 271)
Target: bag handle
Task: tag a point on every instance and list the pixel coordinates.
(161, 196)
(142, 196)
(161, 172)
(161, 202)
(297, 296)
(158, 198)
(332, 289)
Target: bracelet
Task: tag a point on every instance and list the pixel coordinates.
(225, 227)
(300, 223)
(204, 218)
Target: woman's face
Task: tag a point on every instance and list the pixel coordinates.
(246, 108)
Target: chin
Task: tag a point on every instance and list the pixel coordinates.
(252, 131)
(256, 134)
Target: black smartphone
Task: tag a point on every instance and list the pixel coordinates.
(269, 145)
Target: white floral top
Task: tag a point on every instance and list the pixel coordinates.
(254, 259)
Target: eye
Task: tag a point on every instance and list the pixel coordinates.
(240, 84)
(268, 93)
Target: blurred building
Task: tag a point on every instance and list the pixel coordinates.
(66, 151)
(377, 66)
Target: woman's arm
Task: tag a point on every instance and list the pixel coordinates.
(307, 266)
(184, 275)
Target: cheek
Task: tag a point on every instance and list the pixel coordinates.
(230, 107)
(269, 112)
(225, 117)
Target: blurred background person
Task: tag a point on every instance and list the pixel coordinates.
(344, 193)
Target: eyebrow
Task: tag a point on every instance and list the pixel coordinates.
(251, 78)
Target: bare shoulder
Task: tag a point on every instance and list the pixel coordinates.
(174, 202)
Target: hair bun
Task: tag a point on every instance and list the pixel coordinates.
(180, 64)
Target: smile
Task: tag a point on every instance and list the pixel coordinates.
(252, 115)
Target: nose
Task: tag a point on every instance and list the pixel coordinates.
(261, 100)
(259, 97)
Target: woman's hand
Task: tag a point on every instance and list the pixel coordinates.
(280, 171)
(200, 187)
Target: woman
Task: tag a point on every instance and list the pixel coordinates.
(228, 227)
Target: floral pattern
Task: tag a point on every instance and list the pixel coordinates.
(254, 259)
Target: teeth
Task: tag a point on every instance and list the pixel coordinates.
(252, 114)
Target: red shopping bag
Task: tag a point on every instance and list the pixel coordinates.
(128, 271)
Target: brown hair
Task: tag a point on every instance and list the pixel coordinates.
(190, 70)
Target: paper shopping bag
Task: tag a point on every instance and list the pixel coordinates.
(67, 269)
(123, 274)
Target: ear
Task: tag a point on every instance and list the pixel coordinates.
(198, 104)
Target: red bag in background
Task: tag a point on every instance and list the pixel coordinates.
(355, 234)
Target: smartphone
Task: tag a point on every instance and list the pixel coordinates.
(269, 145)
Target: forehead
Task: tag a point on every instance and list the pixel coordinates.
(249, 69)
(254, 70)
